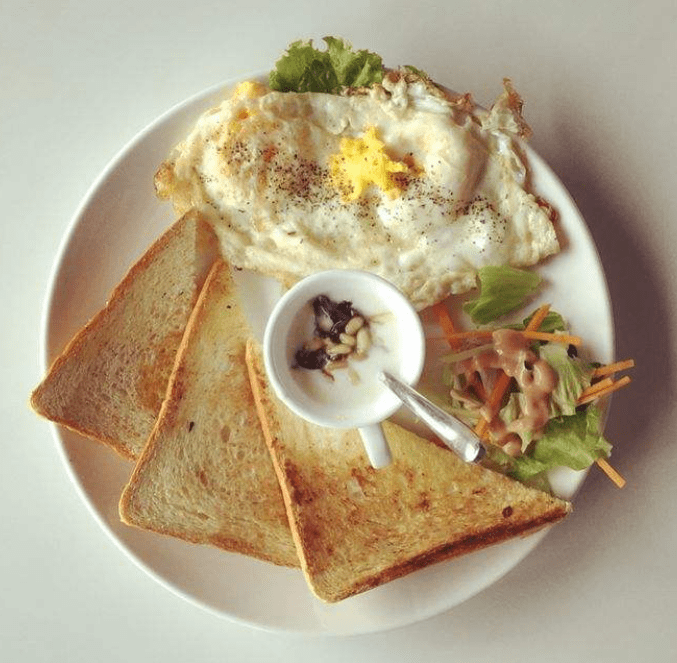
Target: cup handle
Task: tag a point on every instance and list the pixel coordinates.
(376, 445)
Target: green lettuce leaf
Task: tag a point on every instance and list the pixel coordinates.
(573, 376)
(502, 290)
(552, 322)
(524, 469)
(573, 441)
(303, 68)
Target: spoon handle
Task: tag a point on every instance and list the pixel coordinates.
(453, 432)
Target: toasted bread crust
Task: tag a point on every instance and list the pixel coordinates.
(457, 548)
(110, 379)
(206, 475)
(356, 527)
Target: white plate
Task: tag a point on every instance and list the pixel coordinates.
(119, 217)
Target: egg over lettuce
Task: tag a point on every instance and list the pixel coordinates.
(402, 179)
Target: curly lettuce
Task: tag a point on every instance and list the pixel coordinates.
(304, 68)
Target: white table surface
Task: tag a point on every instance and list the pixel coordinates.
(80, 79)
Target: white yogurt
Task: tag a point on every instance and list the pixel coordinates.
(355, 385)
(356, 398)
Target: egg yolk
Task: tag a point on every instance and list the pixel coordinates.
(361, 162)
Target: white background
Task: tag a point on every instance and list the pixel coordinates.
(79, 79)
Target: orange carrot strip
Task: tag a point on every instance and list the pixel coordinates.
(595, 387)
(481, 428)
(482, 334)
(538, 317)
(499, 390)
(446, 323)
(615, 386)
(494, 401)
(610, 472)
(557, 338)
(613, 368)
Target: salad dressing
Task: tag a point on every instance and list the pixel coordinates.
(535, 378)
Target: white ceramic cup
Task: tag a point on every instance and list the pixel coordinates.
(356, 397)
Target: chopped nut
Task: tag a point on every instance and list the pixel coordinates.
(363, 341)
(347, 339)
(354, 324)
(339, 349)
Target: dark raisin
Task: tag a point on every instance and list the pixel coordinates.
(311, 359)
(331, 317)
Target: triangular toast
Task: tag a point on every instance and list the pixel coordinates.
(356, 527)
(206, 475)
(109, 381)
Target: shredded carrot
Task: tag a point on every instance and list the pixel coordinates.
(594, 388)
(446, 323)
(482, 334)
(481, 428)
(498, 391)
(538, 317)
(599, 389)
(610, 472)
(556, 338)
(613, 368)
(614, 386)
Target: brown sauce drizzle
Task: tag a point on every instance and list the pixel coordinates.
(535, 379)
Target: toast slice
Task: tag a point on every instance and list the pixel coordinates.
(206, 475)
(109, 381)
(356, 527)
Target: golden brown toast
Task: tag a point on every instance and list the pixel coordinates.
(206, 475)
(356, 527)
(109, 381)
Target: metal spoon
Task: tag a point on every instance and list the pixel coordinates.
(454, 433)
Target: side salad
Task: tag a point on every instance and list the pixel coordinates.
(524, 387)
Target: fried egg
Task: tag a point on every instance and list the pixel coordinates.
(402, 179)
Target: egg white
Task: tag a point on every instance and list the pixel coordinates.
(258, 166)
